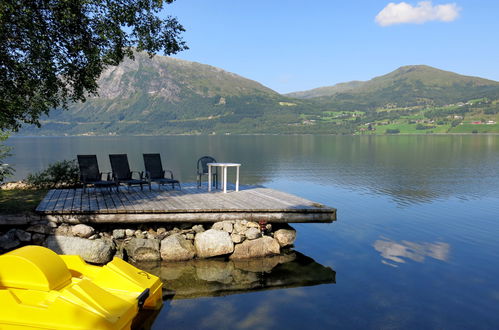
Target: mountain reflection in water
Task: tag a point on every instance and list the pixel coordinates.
(216, 277)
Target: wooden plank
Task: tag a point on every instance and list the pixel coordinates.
(68, 201)
(118, 205)
(44, 204)
(93, 199)
(85, 201)
(127, 203)
(134, 200)
(77, 201)
(49, 208)
(201, 217)
(188, 204)
(59, 204)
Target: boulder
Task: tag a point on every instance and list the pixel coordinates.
(260, 247)
(252, 233)
(40, 229)
(23, 236)
(285, 237)
(63, 230)
(240, 227)
(37, 239)
(83, 231)
(223, 225)
(119, 233)
(129, 232)
(213, 243)
(198, 228)
(252, 224)
(237, 238)
(139, 234)
(176, 248)
(9, 240)
(97, 251)
(140, 249)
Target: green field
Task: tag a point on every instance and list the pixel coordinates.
(470, 128)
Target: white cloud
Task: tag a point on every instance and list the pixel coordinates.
(399, 13)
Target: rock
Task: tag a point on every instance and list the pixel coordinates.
(239, 227)
(83, 231)
(138, 234)
(223, 225)
(94, 236)
(52, 224)
(119, 233)
(213, 243)
(285, 237)
(198, 228)
(9, 240)
(189, 236)
(252, 233)
(129, 232)
(151, 233)
(252, 224)
(63, 230)
(161, 231)
(236, 238)
(40, 229)
(140, 249)
(176, 248)
(260, 247)
(22, 235)
(97, 251)
(37, 238)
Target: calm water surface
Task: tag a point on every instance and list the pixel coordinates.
(416, 244)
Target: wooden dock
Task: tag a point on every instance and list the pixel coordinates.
(190, 204)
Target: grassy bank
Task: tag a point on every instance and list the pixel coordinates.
(20, 200)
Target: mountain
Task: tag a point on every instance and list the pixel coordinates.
(328, 90)
(407, 86)
(163, 95)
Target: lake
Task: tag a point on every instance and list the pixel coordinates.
(416, 244)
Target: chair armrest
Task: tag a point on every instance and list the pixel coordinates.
(139, 173)
(171, 173)
(108, 175)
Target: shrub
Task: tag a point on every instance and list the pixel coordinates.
(59, 174)
(5, 169)
(392, 131)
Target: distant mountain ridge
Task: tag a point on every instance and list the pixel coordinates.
(164, 95)
(414, 84)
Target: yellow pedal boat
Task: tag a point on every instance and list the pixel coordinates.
(40, 289)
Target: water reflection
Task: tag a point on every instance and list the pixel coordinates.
(396, 251)
(212, 277)
(409, 169)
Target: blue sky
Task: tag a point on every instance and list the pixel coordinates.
(290, 45)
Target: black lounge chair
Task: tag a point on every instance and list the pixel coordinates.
(122, 173)
(203, 170)
(156, 173)
(90, 174)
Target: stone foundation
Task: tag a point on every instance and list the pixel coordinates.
(237, 239)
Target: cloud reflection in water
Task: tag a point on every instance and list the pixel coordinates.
(396, 251)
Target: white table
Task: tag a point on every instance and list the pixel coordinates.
(224, 174)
